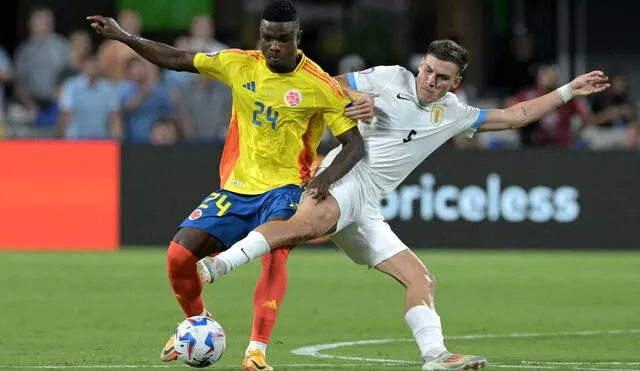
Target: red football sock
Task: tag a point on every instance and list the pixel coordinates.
(269, 293)
(183, 275)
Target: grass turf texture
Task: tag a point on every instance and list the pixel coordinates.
(74, 310)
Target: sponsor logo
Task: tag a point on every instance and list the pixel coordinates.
(472, 203)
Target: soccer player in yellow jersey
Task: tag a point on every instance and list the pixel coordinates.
(282, 102)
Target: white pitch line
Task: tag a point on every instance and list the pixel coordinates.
(526, 365)
(550, 366)
(292, 365)
(529, 366)
(583, 363)
(316, 350)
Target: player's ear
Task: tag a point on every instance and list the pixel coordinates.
(456, 82)
(299, 37)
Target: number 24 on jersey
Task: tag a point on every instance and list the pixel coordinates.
(259, 114)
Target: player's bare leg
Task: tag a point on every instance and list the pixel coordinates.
(313, 219)
(421, 315)
(188, 246)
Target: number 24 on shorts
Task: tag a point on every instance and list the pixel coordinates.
(221, 204)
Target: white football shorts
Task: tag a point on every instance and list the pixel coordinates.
(362, 232)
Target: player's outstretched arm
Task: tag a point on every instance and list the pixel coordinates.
(352, 151)
(157, 53)
(532, 110)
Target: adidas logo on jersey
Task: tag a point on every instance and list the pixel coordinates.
(251, 85)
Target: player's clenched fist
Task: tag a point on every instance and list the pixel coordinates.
(107, 27)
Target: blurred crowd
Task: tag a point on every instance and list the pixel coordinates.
(62, 87)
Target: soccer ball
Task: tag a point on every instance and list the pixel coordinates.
(199, 341)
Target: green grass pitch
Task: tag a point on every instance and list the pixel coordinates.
(521, 310)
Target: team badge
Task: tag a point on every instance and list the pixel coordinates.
(292, 98)
(196, 214)
(437, 113)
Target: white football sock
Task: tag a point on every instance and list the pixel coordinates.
(242, 252)
(253, 345)
(425, 324)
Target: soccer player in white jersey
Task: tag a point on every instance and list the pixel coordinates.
(414, 116)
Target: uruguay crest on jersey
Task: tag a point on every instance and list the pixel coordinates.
(437, 113)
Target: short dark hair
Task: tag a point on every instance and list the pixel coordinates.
(449, 51)
(280, 11)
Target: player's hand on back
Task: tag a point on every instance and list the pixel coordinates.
(107, 27)
(589, 83)
(317, 187)
(362, 107)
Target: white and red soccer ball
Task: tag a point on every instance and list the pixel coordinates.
(199, 341)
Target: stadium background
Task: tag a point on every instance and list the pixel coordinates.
(534, 245)
(114, 180)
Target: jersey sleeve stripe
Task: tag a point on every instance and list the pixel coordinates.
(327, 80)
(237, 51)
(231, 151)
(305, 159)
(318, 75)
(351, 78)
(480, 120)
(250, 53)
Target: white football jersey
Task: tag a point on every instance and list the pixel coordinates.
(405, 132)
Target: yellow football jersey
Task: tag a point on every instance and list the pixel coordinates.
(277, 119)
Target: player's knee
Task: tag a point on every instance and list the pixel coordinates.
(177, 257)
(430, 281)
(197, 241)
(423, 280)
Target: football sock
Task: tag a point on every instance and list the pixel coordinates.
(253, 345)
(425, 324)
(242, 252)
(269, 293)
(183, 275)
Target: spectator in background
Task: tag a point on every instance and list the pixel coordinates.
(517, 68)
(143, 101)
(164, 132)
(6, 74)
(616, 116)
(79, 49)
(39, 62)
(351, 63)
(174, 81)
(113, 56)
(205, 110)
(554, 129)
(89, 105)
(202, 35)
